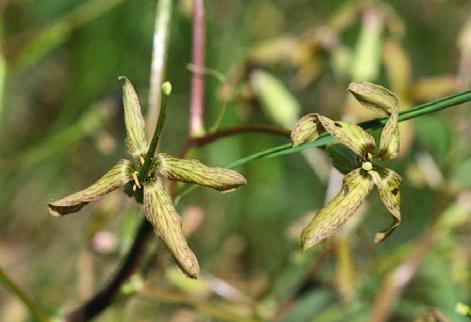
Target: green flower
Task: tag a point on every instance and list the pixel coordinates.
(158, 206)
(358, 183)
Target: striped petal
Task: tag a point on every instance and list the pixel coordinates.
(388, 181)
(350, 135)
(160, 212)
(355, 188)
(116, 177)
(136, 140)
(382, 100)
(311, 126)
(193, 171)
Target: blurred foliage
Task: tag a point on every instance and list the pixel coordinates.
(61, 127)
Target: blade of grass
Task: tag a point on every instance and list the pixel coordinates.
(54, 34)
(11, 286)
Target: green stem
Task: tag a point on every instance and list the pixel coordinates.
(36, 312)
(412, 113)
(163, 16)
(165, 93)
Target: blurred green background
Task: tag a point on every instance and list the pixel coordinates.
(61, 127)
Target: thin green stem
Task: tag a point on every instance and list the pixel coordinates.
(412, 113)
(165, 94)
(163, 16)
(35, 310)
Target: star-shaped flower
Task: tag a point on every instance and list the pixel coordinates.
(358, 183)
(158, 206)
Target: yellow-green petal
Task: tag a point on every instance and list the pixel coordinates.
(389, 142)
(116, 177)
(374, 96)
(382, 100)
(193, 171)
(350, 135)
(160, 212)
(388, 181)
(356, 186)
(307, 129)
(136, 140)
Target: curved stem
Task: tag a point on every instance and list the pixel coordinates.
(34, 309)
(101, 300)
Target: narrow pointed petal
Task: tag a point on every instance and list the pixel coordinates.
(389, 144)
(388, 181)
(307, 129)
(136, 140)
(350, 135)
(382, 100)
(160, 212)
(355, 188)
(193, 171)
(116, 177)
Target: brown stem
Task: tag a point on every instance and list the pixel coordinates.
(197, 80)
(101, 300)
(254, 128)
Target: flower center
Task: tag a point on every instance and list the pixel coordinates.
(367, 166)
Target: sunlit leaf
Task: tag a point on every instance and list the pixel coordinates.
(116, 177)
(193, 171)
(388, 181)
(356, 186)
(160, 212)
(136, 140)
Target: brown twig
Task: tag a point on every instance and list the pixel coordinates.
(101, 300)
(197, 80)
(254, 128)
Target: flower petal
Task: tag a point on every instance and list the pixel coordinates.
(388, 181)
(136, 140)
(375, 97)
(355, 188)
(116, 177)
(312, 125)
(382, 100)
(389, 143)
(160, 212)
(307, 129)
(193, 171)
